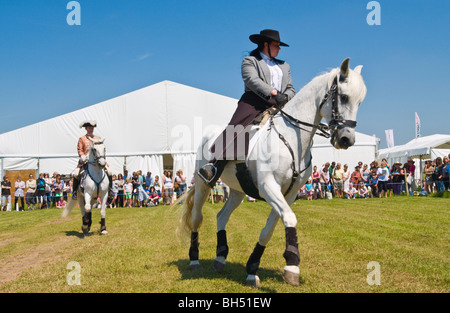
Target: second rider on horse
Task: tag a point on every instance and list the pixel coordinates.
(83, 146)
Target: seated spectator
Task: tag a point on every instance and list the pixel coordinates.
(363, 192)
(61, 204)
(350, 191)
(153, 199)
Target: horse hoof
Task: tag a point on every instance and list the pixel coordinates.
(253, 281)
(104, 232)
(218, 266)
(85, 230)
(194, 266)
(291, 278)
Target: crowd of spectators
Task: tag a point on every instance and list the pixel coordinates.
(375, 180)
(330, 181)
(128, 190)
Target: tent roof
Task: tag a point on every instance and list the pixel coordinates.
(418, 147)
(161, 118)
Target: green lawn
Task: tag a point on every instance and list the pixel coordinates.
(407, 236)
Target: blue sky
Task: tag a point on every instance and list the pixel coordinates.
(48, 68)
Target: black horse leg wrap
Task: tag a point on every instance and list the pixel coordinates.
(222, 246)
(253, 262)
(87, 218)
(193, 250)
(291, 254)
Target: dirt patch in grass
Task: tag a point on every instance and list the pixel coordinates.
(13, 266)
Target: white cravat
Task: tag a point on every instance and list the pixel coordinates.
(276, 75)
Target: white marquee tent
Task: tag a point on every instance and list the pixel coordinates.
(141, 129)
(422, 148)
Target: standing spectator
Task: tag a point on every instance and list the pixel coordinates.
(120, 191)
(355, 177)
(365, 174)
(373, 183)
(181, 181)
(157, 185)
(218, 191)
(141, 194)
(383, 178)
(438, 174)
(128, 192)
(58, 187)
(148, 180)
(48, 189)
(409, 178)
(315, 176)
(325, 179)
(346, 177)
(412, 170)
(338, 180)
(428, 171)
(53, 180)
(396, 178)
(19, 193)
(167, 188)
(115, 191)
(31, 192)
(445, 173)
(6, 194)
(330, 172)
(40, 191)
(309, 189)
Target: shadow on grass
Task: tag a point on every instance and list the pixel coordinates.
(74, 233)
(233, 271)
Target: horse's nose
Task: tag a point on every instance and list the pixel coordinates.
(345, 142)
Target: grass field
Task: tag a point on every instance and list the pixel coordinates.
(408, 236)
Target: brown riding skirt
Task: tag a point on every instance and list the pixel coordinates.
(250, 106)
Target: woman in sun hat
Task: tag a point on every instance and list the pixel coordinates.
(268, 83)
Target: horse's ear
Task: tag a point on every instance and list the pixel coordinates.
(102, 140)
(92, 140)
(345, 68)
(358, 69)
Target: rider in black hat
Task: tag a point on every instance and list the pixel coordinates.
(268, 83)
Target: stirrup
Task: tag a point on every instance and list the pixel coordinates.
(208, 172)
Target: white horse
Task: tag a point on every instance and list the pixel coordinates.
(279, 164)
(96, 185)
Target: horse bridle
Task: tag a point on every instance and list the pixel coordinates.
(337, 121)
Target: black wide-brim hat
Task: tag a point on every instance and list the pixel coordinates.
(267, 35)
(88, 123)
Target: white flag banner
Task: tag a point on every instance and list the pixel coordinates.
(389, 137)
(417, 125)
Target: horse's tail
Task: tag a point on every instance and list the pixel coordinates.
(185, 225)
(69, 207)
